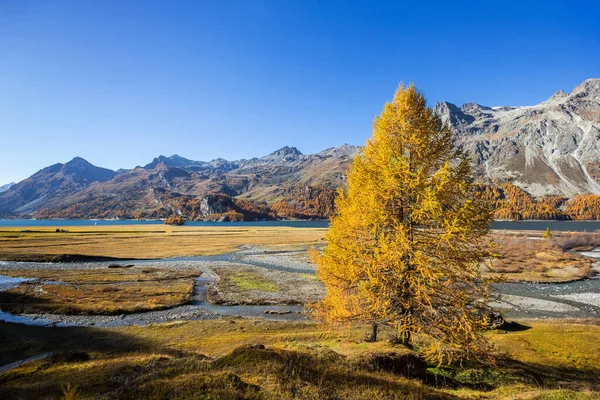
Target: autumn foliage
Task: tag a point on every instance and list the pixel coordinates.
(512, 203)
(306, 202)
(175, 220)
(405, 244)
(584, 207)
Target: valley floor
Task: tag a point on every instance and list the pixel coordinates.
(138, 325)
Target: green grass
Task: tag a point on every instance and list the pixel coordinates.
(312, 277)
(249, 281)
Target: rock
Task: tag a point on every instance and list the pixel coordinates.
(120, 265)
(495, 320)
(278, 312)
(257, 346)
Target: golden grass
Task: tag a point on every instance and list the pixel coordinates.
(523, 259)
(211, 359)
(103, 275)
(571, 345)
(99, 291)
(148, 241)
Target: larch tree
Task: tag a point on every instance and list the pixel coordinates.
(408, 237)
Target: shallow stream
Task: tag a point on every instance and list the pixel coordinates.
(579, 299)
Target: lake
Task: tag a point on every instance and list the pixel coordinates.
(89, 222)
(574, 226)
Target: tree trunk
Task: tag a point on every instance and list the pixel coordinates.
(373, 338)
(407, 340)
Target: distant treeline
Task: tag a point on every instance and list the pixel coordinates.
(512, 203)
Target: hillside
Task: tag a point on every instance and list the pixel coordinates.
(4, 188)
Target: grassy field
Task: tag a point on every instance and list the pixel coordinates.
(145, 241)
(225, 359)
(521, 258)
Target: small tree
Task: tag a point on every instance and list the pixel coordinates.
(547, 234)
(406, 242)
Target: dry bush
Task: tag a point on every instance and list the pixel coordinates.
(512, 251)
(578, 241)
(587, 271)
(525, 259)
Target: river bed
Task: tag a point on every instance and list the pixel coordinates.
(579, 299)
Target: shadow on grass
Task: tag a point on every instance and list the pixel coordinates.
(91, 358)
(325, 373)
(508, 371)
(18, 341)
(513, 327)
(145, 364)
(109, 363)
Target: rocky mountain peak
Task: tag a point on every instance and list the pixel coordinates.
(588, 87)
(345, 150)
(284, 154)
(451, 115)
(561, 94)
(549, 148)
(80, 169)
(473, 108)
(173, 161)
(445, 108)
(78, 162)
(286, 151)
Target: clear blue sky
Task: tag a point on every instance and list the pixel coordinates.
(120, 82)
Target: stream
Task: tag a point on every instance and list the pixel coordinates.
(579, 299)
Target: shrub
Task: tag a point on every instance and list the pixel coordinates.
(175, 220)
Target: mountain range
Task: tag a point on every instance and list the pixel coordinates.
(552, 148)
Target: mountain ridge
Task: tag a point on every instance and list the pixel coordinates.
(551, 148)
(547, 149)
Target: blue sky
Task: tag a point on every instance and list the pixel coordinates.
(120, 82)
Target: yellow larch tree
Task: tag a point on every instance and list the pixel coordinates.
(407, 239)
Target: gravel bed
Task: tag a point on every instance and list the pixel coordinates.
(277, 262)
(587, 298)
(151, 317)
(580, 299)
(527, 303)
